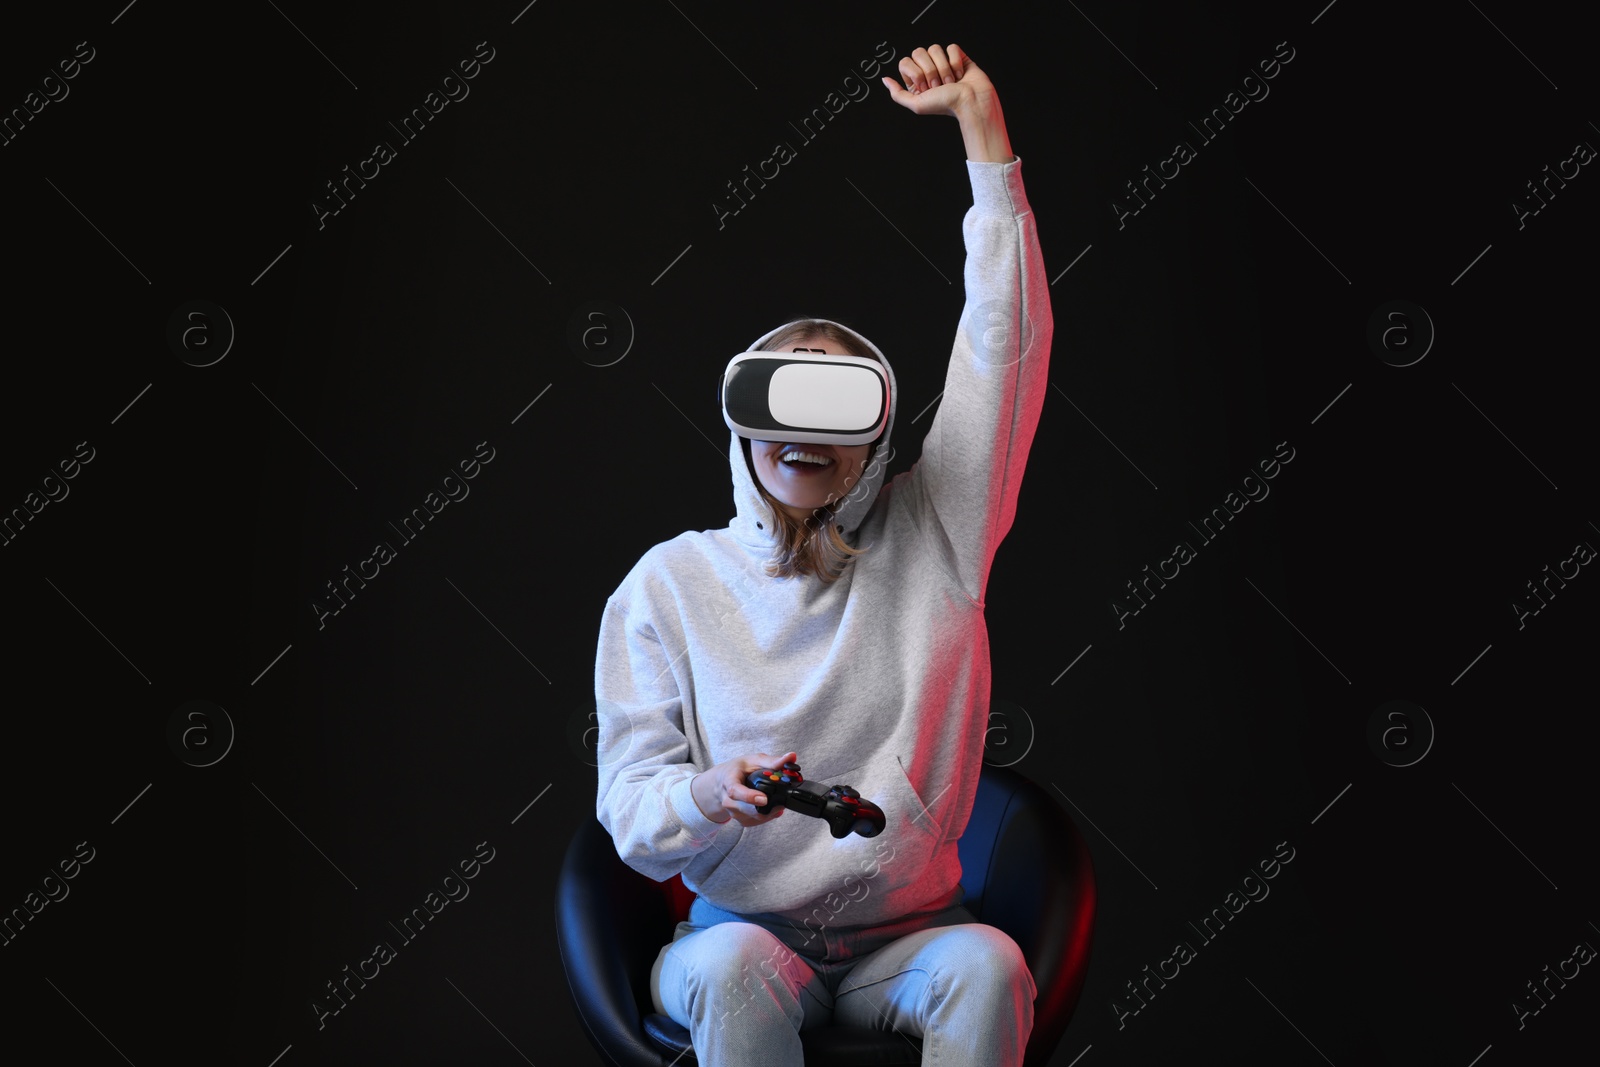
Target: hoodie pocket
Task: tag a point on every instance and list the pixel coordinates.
(912, 827)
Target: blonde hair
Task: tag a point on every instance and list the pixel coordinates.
(812, 545)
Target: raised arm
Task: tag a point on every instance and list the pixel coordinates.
(965, 484)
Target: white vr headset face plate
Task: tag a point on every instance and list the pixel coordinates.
(805, 398)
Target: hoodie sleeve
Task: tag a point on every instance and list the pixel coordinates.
(970, 471)
(643, 755)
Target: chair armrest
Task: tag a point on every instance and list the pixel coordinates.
(1027, 871)
(611, 922)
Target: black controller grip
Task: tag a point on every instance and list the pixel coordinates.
(840, 805)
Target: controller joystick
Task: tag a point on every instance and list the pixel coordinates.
(839, 805)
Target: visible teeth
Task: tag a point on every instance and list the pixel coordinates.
(806, 457)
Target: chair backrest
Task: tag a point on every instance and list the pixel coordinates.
(1025, 868)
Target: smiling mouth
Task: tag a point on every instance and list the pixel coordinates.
(802, 467)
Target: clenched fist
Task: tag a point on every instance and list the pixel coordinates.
(939, 82)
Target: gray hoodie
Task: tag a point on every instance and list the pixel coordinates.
(879, 680)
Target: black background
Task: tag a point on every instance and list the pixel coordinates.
(377, 351)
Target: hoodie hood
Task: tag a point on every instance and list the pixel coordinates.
(753, 524)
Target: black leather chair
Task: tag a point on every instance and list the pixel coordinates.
(1025, 868)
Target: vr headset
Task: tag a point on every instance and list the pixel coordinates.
(805, 398)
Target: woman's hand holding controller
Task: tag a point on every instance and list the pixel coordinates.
(721, 789)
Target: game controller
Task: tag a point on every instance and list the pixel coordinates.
(841, 806)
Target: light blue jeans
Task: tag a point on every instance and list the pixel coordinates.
(745, 986)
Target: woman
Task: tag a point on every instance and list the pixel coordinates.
(842, 618)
